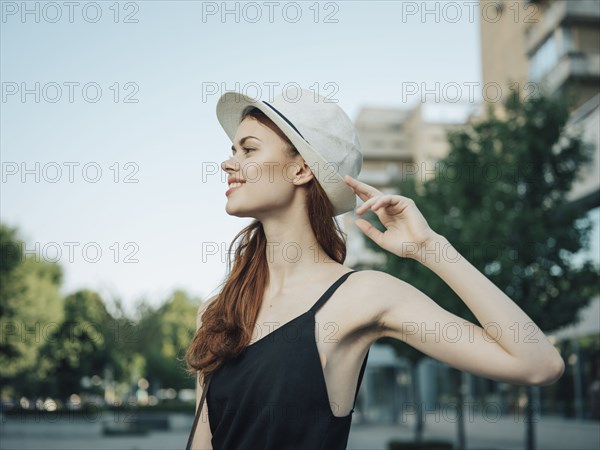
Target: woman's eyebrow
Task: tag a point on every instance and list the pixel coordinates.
(243, 140)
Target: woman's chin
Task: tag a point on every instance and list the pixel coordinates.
(236, 212)
(230, 211)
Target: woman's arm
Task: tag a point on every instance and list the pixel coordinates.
(510, 347)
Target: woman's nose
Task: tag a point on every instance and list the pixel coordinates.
(226, 165)
(230, 164)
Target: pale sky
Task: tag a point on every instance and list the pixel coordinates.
(176, 63)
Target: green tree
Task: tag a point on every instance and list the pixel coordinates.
(123, 343)
(79, 347)
(30, 306)
(164, 335)
(500, 197)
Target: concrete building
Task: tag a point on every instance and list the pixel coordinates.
(562, 46)
(502, 30)
(529, 45)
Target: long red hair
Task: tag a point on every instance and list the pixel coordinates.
(228, 322)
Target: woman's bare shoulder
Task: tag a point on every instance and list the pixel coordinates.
(363, 295)
(368, 281)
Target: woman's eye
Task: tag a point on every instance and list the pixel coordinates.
(248, 149)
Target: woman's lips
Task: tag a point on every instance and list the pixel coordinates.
(231, 189)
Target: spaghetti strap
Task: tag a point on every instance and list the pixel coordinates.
(329, 292)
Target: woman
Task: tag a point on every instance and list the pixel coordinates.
(286, 340)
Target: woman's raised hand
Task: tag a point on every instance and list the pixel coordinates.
(407, 231)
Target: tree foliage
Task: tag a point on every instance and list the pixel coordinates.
(30, 304)
(164, 334)
(49, 344)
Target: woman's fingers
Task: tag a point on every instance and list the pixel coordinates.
(381, 200)
(369, 230)
(386, 200)
(370, 203)
(363, 190)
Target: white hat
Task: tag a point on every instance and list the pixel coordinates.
(319, 129)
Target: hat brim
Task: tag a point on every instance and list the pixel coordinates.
(230, 108)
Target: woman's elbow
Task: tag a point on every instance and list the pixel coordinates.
(550, 375)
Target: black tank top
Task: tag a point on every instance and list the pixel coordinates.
(273, 395)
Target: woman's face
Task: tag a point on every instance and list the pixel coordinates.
(261, 160)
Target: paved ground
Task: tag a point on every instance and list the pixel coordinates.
(551, 434)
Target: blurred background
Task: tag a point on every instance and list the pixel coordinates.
(113, 225)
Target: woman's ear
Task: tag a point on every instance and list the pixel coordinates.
(303, 175)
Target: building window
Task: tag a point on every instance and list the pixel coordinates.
(557, 45)
(564, 41)
(544, 59)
